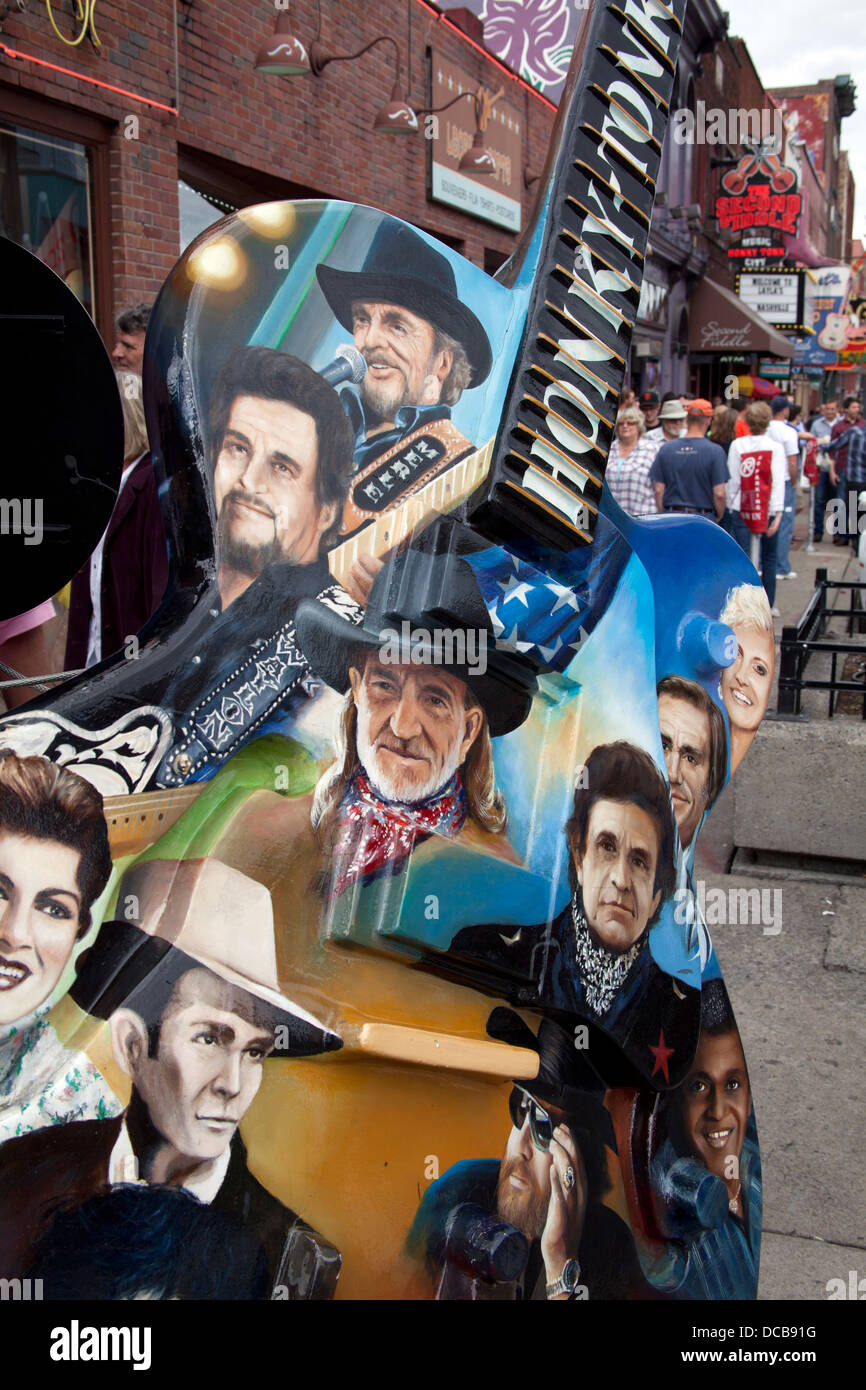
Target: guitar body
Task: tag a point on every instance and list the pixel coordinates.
(432, 824)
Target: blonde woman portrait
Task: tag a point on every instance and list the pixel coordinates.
(746, 684)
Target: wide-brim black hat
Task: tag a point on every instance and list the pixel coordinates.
(435, 595)
(566, 1079)
(402, 268)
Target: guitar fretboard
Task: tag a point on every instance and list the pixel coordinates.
(134, 822)
(441, 494)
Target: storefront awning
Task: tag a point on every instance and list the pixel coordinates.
(720, 322)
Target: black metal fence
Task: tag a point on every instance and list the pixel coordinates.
(806, 639)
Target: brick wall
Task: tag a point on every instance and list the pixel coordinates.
(294, 137)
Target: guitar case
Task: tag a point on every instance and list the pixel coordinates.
(397, 972)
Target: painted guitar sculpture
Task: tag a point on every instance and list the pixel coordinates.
(402, 785)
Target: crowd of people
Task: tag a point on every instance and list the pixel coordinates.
(681, 453)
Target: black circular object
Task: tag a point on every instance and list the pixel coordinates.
(63, 432)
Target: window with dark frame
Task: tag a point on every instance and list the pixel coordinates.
(55, 194)
(46, 201)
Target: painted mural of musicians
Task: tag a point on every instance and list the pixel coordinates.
(706, 1172)
(548, 1186)
(746, 684)
(191, 994)
(593, 960)
(425, 690)
(54, 864)
(695, 747)
(422, 346)
(281, 455)
(280, 450)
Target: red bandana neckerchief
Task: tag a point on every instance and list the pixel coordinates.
(377, 836)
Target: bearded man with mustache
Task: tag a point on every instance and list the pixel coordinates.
(281, 454)
(423, 348)
(413, 753)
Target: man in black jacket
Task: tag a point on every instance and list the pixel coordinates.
(548, 1188)
(190, 991)
(593, 960)
(281, 453)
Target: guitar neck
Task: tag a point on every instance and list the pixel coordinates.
(442, 494)
(134, 822)
(588, 243)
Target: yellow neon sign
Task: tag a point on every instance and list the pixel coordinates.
(85, 11)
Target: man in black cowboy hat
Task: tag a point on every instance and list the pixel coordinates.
(422, 346)
(425, 691)
(191, 995)
(549, 1185)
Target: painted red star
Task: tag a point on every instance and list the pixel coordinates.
(661, 1054)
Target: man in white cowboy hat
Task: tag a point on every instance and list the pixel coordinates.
(190, 991)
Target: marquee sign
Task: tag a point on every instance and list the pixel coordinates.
(760, 204)
(777, 298)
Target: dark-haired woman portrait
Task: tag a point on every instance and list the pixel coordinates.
(54, 863)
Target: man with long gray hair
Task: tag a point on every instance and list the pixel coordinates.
(425, 692)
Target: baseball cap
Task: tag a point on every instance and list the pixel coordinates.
(699, 407)
(650, 398)
(778, 403)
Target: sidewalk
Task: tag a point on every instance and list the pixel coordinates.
(798, 997)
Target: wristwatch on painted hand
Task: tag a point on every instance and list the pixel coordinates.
(567, 1281)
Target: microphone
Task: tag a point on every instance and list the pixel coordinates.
(348, 365)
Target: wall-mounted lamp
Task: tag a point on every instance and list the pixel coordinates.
(692, 214)
(284, 55)
(478, 159)
(396, 116)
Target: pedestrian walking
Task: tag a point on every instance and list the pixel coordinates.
(825, 488)
(756, 492)
(629, 463)
(120, 586)
(672, 420)
(787, 436)
(839, 438)
(853, 479)
(690, 474)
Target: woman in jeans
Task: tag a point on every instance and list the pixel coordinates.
(744, 456)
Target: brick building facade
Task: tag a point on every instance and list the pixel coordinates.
(172, 95)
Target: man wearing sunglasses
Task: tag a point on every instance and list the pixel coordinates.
(548, 1186)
